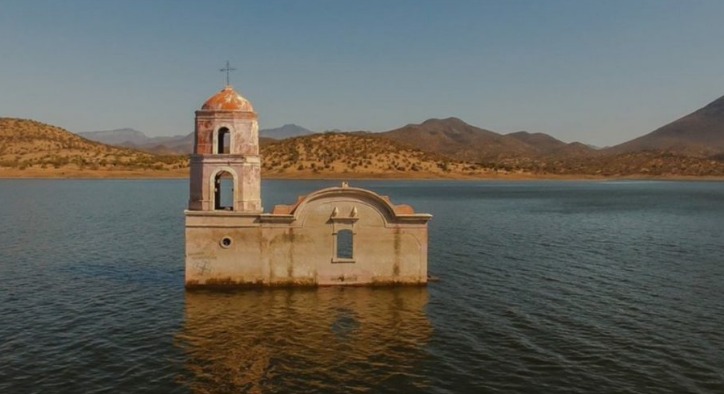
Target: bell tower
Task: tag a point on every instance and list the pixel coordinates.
(225, 165)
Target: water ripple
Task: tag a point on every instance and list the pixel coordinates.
(545, 287)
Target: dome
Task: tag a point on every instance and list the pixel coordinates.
(227, 100)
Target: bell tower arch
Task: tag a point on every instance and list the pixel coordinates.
(226, 150)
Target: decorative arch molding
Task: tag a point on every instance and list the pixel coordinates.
(365, 196)
(234, 187)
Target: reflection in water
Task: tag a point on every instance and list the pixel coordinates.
(293, 340)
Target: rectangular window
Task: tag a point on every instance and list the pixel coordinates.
(344, 252)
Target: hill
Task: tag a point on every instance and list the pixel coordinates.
(636, 164)
(177, 144)
(116, 136)
(358, 155)
(545, 145)
(28, 145)
(454, 138)
(700, 133)
(447, 148)
(130, 138)
(286, 131)
(352, 155)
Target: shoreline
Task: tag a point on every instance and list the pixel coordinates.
(184, 174)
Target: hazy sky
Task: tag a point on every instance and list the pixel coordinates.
(600, 72)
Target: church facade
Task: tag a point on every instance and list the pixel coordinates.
(336, 236)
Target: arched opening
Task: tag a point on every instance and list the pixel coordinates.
(224, 191)
(223, 141)
(345, 243)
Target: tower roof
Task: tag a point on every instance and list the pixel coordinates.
(227, 100)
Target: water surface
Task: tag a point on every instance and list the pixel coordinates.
(545, 287)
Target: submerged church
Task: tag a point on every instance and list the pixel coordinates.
(336, 236)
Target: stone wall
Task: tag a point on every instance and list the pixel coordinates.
(297, 245)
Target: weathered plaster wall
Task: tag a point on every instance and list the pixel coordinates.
(242, 161)
(243, 126)
(299, 249)
(245, 169)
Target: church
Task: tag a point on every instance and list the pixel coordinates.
(335, 236)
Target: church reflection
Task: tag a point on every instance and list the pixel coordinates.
(293, 340)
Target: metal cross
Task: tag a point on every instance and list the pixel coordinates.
(227, 69)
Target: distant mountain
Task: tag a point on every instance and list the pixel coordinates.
(130, 138)
(115, 137)
(541, 142)
(701, 133)
(177, 144)
(184, 144)
(546, 145)
(456, 139)
(286, 131)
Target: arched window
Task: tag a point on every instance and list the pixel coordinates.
(223, 141)
(224, 191)
(345, 245)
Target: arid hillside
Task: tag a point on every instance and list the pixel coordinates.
(33, 149)
(701, 133)
(358, 155)
(30, 145)
(367, 155)
(641, 164)
(286, 131)
(455, 138)
(546, 146)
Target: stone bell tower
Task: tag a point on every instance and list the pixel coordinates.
(226, 148)
(335, 236)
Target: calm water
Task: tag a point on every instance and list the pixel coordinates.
(545, 287)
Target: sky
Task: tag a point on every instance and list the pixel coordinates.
(598, 72)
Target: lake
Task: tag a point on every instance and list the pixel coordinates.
(566, 287)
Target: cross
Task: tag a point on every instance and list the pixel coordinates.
(202, 267)
(227, 69)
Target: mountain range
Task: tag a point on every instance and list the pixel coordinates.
(178, 144)
(691, 145)
(286, 131)
(130, 138)
(699, 134)
(455, 138)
